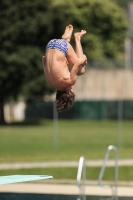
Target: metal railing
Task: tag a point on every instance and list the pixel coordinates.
(81, 178)
(113, 188)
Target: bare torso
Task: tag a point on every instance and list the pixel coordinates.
(56, 69)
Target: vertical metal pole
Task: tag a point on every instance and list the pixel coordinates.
(120, 123)
(128, 53)
(84, 180)
(116, 173)
(81, 175)
(55, 128)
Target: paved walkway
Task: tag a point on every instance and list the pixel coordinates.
(56, 187)
(63, 189)
(126, 162)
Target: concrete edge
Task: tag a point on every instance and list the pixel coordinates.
(63, 189)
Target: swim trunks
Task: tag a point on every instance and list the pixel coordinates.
(59, 44)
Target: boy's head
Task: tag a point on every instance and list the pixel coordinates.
(64, 100)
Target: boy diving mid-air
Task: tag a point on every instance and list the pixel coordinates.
(60, 54)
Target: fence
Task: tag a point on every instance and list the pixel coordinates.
(82, 110)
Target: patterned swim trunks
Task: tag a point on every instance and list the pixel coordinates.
(59, 44)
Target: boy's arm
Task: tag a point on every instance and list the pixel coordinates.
(78, 68)
(81, 70)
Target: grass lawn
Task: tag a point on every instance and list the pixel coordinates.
(22, 143)
(70, 173)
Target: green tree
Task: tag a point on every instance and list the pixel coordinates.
(123, 3)
(103, 20)
(24, 32)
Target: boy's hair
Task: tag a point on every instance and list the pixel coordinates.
(64, 101)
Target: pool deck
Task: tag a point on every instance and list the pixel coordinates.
(58, 187)
(67, 189)
(96, 163)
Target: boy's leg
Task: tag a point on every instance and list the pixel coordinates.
(79, 50)
(78, 46)
(68, 33)
(67, 36)
(78, 53)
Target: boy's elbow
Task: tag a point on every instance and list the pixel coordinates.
(81, 72)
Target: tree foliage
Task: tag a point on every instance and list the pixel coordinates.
(103, 20)
(24, 33)
(23, 39)
(123, 3)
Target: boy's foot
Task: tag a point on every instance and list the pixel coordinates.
(68, 33)
(79, 35)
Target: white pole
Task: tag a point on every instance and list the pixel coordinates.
(120, 123)
(128, 53)
(55, 128)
